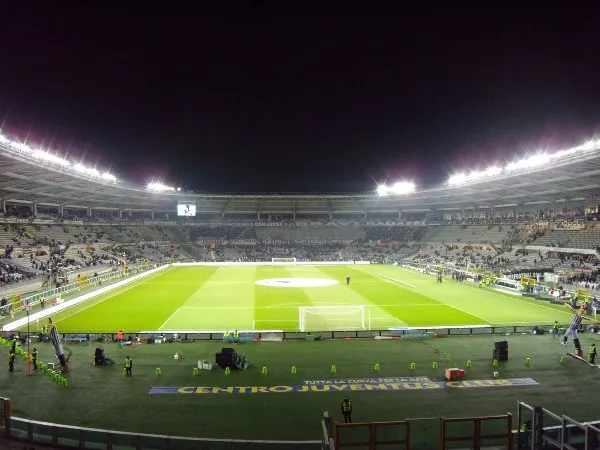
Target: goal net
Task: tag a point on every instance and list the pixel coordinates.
(283, 260)
(332, 318)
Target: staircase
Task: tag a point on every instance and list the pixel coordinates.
(185, 246)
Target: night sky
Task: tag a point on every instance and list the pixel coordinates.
(253, 97)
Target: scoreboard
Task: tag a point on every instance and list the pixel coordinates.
(186, 209)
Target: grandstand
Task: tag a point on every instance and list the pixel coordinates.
(61, 220)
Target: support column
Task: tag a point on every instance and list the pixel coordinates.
(4, 206)
(152, 214)
(61, 210)
(89, 212)
(34, 209)
(120, 214)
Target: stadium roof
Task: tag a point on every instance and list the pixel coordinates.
(562, 181)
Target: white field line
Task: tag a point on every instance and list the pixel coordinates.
(169, 318)
(275, 320)
(522, 301)
(397, 281)
(290, 305)
(467, 312)
(510, 298)
(103, 299)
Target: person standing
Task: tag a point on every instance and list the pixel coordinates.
(347, 410)
(555, 329)
(573, 331)
(34, 358)
(120, 338)
(592, 354)
(128, 365)
(11, 361)
(348, 280)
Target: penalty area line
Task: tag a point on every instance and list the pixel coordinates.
(169, 318)
(398, 281)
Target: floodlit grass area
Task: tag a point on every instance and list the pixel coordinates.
(102, 397)
(228, 297)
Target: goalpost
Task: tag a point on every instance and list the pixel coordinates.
(333, 318)
(283, 260)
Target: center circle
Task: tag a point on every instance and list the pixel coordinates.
(296, 282)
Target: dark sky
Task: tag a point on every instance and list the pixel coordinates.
(255, 97)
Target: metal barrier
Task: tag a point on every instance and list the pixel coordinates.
(372, 435)
(328, 443)
(541, 428)
(478, 436)
(69, 437)
(201, 335)
(5, 416)
(470, 432)
(36, 299)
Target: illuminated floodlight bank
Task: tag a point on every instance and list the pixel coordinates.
(155, 186)
(49, 158)
(531, 162)
(400, 188)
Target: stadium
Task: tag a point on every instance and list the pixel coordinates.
(326, 294)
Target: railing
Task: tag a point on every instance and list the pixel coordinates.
(35, 299)
(541, 428)
(441, 433)
(412, 334)
(70, 437)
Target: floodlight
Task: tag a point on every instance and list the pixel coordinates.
(403, 187)
(382, 190)
(158, 187)
(109, 177)
(493, 171)
(457, 179)
(46, 157)
(19, 146)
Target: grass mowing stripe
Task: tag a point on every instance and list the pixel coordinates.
(268, 314)
(535, 303)
(372, 295)
(69, 312)
(144, 308)
(169, 318)
(225, 300)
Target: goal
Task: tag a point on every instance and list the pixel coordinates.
(332, 318)
(283, 260)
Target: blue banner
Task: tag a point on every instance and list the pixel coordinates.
(344, 387)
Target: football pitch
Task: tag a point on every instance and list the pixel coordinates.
(295, 297)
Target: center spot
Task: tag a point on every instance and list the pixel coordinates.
(296, 282)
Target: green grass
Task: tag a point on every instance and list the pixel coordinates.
(102, 397)
(213, 298)
(227, 297)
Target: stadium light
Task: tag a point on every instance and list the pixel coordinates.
(400, 188)
(155, 186)
(529, 162)
(48, 158)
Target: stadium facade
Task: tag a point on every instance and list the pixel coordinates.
(564, 185)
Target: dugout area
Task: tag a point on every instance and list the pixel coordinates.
(94, 391)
